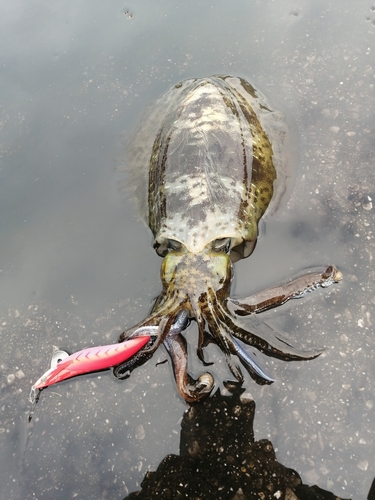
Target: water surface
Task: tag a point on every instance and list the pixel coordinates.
(76, 261)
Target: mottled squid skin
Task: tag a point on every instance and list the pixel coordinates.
(211, 170)
(211, 178)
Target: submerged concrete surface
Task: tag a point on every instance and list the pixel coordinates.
(76, 261)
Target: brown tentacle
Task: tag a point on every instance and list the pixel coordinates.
(191, 390)
(266, 339)
(203, 340)
(278, 295)
(152, 320)
(124, 369)
(222, 336)
(168, 308)
(248, 361)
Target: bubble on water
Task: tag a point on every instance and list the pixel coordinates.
(127, 13)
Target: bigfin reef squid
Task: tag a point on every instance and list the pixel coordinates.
(213, 171)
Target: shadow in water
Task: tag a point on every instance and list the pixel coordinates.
(219, 458)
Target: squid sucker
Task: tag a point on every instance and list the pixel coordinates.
(213, 171)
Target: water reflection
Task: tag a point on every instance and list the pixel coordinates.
(220, 459)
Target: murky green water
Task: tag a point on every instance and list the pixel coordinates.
(76, 261)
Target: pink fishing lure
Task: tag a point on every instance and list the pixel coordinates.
(91, 360)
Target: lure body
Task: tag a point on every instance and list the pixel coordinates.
(91, 359)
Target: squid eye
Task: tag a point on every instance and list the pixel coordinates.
(221, 245)
(174, 245)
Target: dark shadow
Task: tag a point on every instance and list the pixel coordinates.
(220, 460)
(371, 494)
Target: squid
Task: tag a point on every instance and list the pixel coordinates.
(214, 167)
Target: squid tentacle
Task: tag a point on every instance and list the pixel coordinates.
(219, 320)
(150, 322)
(252, 367)
(159, 333)
(255, 371)
(191, 390)
(153, 320)
(268, 340)
(222, 336)
(296, 288)
(203, 340)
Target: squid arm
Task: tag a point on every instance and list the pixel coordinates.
(278, 295)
